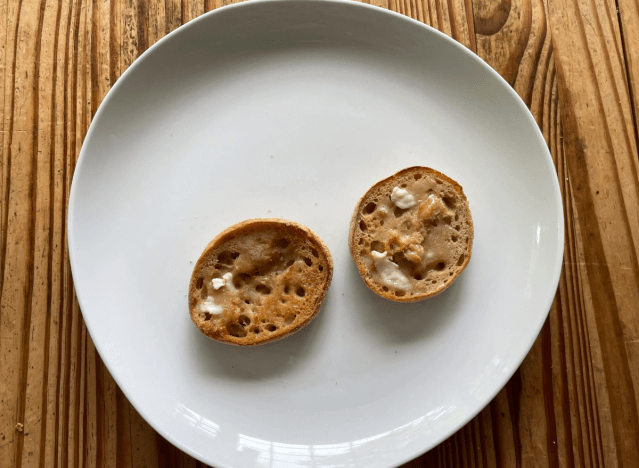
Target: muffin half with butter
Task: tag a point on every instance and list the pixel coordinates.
(259, 281)
(411, 235)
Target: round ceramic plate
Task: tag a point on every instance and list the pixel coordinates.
(293, 110)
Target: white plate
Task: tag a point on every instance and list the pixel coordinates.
(293, 109)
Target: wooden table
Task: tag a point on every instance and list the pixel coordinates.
(575, 63)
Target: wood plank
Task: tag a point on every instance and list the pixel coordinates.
(115, 40)
(35, 401)
(58, 259)
(6, 81)
(91, 406)
(601, 163)
(130, 31)
(16, 306)
(100, 52)
(157, 20)
(173, 12)
(192, 9)
(107, 424)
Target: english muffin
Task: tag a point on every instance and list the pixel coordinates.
(411, 234)
(259, 281)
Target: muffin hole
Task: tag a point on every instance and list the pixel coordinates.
(225, 258)
(361, 241)
(244, 320)
(236, 330)
(286, 289)
(288, 319)
(418, 176)
(384, 288)
(247, 301)
(450, 274)
(300, 292)
(450, 202)
(418, 277)
(282, 243)
(218, 266)
(457, 228)
(397, 211)
(400, 293)
(439, 182)
(283, 301)
(456, 216)
(462, 257)
(200, 282)
(262, 289)
(270, 327)
(207, 316)
(398, 257)
(377, 246)
(308, 261)
(237, 285)
(370, 208)
(234, 255)
(315, 253)
(320, 268)
(362, 226)
(255, 330)
(454, 238)
(440, 266)
(404, 185)
(381, 222)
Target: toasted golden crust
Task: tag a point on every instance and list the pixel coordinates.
(259, 281)
(379, 229)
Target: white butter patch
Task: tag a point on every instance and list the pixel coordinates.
(209, 305)
(389, 271)
(402, 198)
(225, 280)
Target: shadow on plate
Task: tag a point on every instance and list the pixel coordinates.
(267, 361)
(393, 322)
(387, 323)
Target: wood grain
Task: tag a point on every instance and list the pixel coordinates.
(575, 63)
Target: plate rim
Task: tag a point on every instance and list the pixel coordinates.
(558, 261)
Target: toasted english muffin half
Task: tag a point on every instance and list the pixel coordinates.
(411, 234)
(259, 281)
